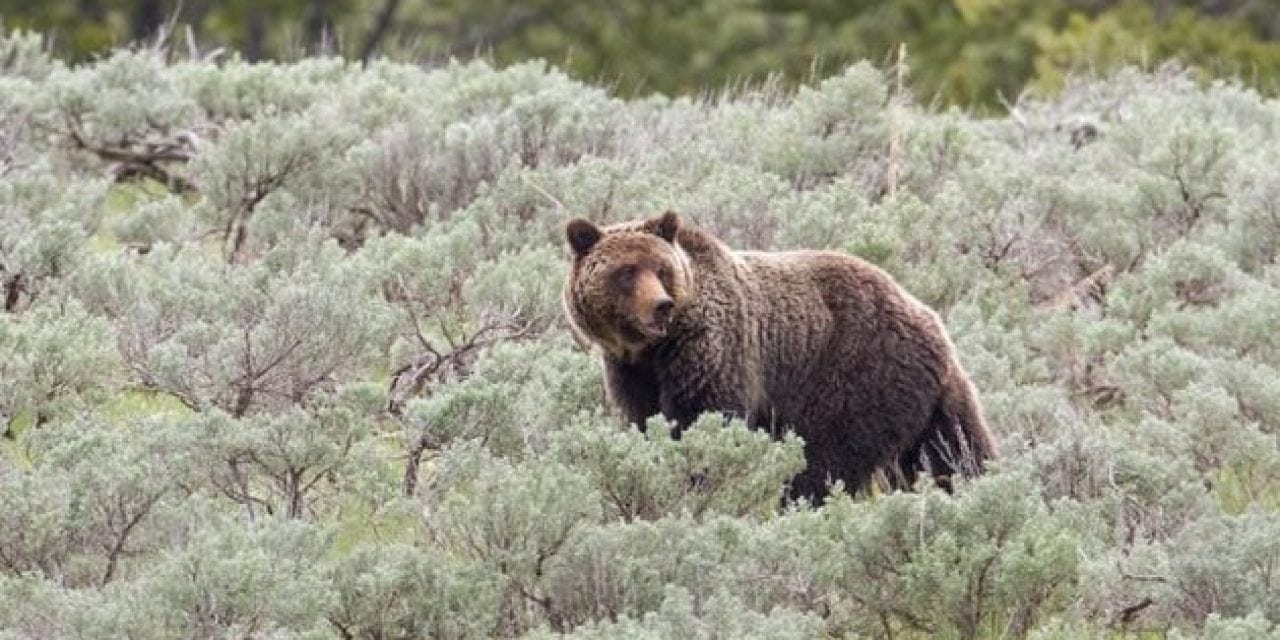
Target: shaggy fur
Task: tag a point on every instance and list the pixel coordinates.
(813, 341)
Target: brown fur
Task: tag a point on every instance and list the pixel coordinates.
(813, 341)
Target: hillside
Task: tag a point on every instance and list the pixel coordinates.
(281, 355)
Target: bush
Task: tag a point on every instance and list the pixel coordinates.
(282, 355)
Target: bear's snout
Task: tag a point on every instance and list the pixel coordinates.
(663, 310)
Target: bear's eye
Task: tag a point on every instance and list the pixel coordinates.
(625, 274)
(664, 274)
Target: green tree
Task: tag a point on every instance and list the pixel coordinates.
(967, 52)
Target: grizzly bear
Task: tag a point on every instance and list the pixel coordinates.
(816, 342)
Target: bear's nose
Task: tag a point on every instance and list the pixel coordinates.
(663, 309)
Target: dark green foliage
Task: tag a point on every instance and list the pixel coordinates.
(966, 52)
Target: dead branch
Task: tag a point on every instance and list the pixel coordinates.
(381, 26)
(256, 189)
(894, 160)
(434, 365)
(132, 159)
(13, 286)
(409, 486)
(1126, 615)
(116, 548)
(1144, 578)
(1092, 287)
(9, 135)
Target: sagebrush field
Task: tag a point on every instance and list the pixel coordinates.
(281, 355)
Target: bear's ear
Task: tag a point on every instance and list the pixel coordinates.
(664, 226)
(582, 235)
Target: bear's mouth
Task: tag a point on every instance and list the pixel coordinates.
(648, 331)
(657, 329)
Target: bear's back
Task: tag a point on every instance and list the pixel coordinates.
(822, 315)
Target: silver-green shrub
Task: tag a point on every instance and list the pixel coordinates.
(282, 355)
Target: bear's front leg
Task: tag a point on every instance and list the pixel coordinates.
(688, 392)
(632, 389)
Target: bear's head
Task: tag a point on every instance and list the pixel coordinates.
(628, 281)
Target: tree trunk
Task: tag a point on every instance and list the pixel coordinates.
(381, 27)
(255, 33)
(317, 28)
(13, 288)
(145, 20)
(293, 490)
(410, 486)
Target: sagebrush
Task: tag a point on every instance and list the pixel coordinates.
(282, 357)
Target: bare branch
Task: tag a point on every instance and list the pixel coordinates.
(894, 159)
(133, 159)
(117, 547)
(1091, 287)
(1126, 615)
